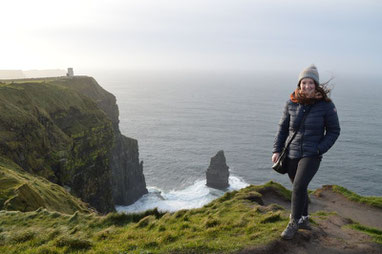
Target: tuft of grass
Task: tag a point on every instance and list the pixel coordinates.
(121, 219)
(74, 217)
(323, 214)
(53, 234)
(23, 237)
(169, 238)
(105, 233)
(161, 228)
(46, 250)
(209, 223)
(252, 196)
(73, 243)
(227, 196)
(151, 244)
(184, 226)
(272, 217)
(145, 221)
(276, 188)
(180, 213)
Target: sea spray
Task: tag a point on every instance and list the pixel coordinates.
(194, 196)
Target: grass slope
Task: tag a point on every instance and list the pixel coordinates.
(23, 192)
(230, 223)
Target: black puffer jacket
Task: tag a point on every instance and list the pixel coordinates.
(318, 133)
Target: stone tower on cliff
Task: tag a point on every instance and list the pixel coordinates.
(70, 72)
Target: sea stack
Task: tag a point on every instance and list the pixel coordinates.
(217, 173)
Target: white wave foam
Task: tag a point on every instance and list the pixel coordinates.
(194, 196)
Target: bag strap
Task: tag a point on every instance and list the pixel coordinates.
(295, 132)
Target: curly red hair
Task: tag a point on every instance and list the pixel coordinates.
(322, 93)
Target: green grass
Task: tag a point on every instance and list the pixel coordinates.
(274, 187)
(369, 200)
(22, 191)
(228, 224)
(376, 234)
(323, 214)
(234, 222)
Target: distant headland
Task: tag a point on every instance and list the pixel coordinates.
(25, 74)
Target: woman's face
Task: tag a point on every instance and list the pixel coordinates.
(308, 87)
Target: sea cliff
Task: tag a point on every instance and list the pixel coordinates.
(66, 130)
(128, 180)
(60, 142)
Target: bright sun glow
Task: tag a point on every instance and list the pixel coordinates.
(213, 34)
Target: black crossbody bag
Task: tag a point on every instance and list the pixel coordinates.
(280, 165)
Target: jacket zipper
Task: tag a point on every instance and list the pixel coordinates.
(302, 133)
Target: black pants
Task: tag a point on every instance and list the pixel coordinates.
(301, 172)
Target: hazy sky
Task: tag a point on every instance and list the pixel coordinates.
(338, 36)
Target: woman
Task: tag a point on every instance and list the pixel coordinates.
(314, 137)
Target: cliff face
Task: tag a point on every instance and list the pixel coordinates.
(59, 134)
(128, 181)
(66, 130)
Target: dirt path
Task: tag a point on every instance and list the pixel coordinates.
(330, 201)
(330, 235)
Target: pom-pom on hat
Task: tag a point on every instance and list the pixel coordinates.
(310, 72)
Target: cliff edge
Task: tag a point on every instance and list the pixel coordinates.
(128, 180)
(246, 221)
(66, 130)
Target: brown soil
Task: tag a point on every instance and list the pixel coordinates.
(270, 196)
(330, 235)
(328, 200)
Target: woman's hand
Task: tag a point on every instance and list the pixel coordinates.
(275, 157)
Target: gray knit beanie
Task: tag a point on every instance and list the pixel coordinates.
(310, 72)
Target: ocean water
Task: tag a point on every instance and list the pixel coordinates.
(195, 195)
(182, 119)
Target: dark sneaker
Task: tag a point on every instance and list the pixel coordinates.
(290, 230)
(303, 223)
